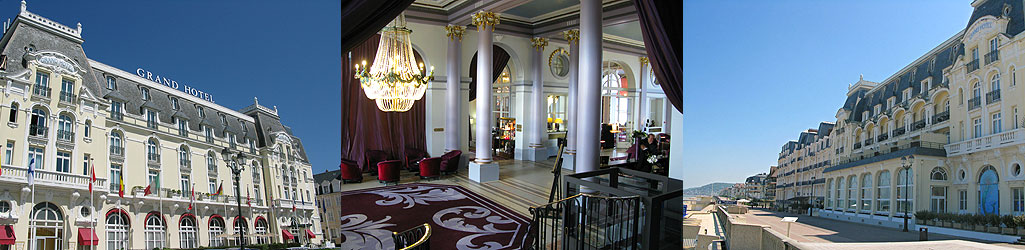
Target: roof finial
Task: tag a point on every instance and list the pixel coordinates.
(861, 77)
(275, 109)
(256, 101)
(79, 28)
(23, 7)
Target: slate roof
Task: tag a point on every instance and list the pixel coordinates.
(327, 176)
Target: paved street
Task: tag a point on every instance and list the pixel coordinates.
(819, 230)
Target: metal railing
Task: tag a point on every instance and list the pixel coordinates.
(882, 137)
(857, 145)
(973, 65)
(153, 157)
(415, 238)
(37, 130)
(941, 117)
(65, 135)
(115, 150)
(41, 91)
(185, 163)
(974, 103)
(116, 115)
(918, 124)
(898, 132)
(993, 96)
(67, 97)
(992, 56)
(585, 221)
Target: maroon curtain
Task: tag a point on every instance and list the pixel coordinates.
(499, 59)
(662, 28)
(364, 127)
(363, 18)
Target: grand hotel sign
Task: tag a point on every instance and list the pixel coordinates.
(173, 84)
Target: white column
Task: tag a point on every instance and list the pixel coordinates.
(642, 100)
(539, 131)
(589, 90)
(569, 159)
(484, 169)
(452, 92)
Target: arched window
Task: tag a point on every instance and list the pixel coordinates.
(48, 224)
(883, 192)
(1014, 77)
(905, 189)
(829, 193)
(116, 147)
(614, 94)
(88, 128)
(211, 164)
(216, 229)
(994, 82)
(152, 150)
(64, 127)
(866, 192)
(239, 228)
(989, 192)
(14, 113)
(976, 91)
(184, 158)
(839, 191)
(154, 231)
(117, 231)
(261, 229)
(852, 192)
(37, 127)
(938, 174)
(187, 232)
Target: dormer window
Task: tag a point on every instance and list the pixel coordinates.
(864, 116)
(200, 110)
(174, 104)
(890, 102)
(111, 83)
(993, 43)
(224, 120)
(907, 94)
(145, 94)
(877, 108)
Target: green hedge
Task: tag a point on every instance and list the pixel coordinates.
(274, 246)
(1008, 221)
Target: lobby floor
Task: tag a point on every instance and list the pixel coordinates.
(521, 184)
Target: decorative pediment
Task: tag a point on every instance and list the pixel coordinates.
(984, 27)
(56, 62)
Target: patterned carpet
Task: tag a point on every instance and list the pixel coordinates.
(459, 219)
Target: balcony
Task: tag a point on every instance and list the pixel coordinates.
(898, 132)
(118, 116)
(868, 142)
(941, 117)
(185, 164)
(37, 130)
(41, 91)
(918, 125)
(153, 157)
(65, 135)
(904, 148)
(973, 65)
(66, 97)
(18, 174)
(974, 103)
(1009, 138)
(993, 96)
(857, 145)
(992, 56)
(882, 137)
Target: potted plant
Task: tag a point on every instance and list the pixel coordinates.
(921, 217)
(1019, 223)
(1009, 225)
(958, 220)
(994, 223)
(980, 222)
(948, 220)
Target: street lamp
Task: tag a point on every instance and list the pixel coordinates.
(905, 163)
(236, 163)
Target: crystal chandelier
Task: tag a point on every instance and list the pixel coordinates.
(394, 81)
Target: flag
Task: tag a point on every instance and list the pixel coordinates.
(92, 178)
(147, 191)
(247, 198)
(192, 195)
(1, 165)
(120, 186)
(219, 186)
(31, 171)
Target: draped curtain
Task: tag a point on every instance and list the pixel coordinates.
(662, 28)
(364, 126)
(499, 59)
(363, 18)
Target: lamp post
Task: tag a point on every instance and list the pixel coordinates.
(905, 163)
(235, 162)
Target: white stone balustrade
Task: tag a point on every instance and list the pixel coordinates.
(1012, 137)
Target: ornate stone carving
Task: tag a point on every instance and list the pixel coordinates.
(572, 36)
(539, 43)
(644, 61)
(485, 19)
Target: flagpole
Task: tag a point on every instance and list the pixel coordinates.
(92, 202)
(32, 182)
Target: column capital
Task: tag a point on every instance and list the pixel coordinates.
(572, 36)
(455, 32)
(484, 19)
(539, 43)
(644, 61)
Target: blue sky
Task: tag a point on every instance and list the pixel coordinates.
(757, 73)
(287, 53)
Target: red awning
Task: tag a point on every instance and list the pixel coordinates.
(309, 234)
(6, 235)
(87, 237)
(287, 235)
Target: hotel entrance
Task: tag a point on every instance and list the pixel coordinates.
(48, 227)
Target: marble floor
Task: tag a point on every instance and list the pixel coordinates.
(521, 184)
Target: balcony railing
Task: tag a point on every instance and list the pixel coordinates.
(153, 157)
(67, 97)
(1013, 137)
(868, 142)
(898, 132)
(37, 130)
(65, 135)
(185, 163)
(992, 56)
(857, 145)
(918, 125)
(117, 116)
(973, 65)
(883, 137)
(41, 91)
(51, 178)
(974, 103)
(941, 117)
(115, 150)
(993, 96)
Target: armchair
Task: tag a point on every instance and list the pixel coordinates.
(412, 157)
(450, 161)
(430, 168)
(371, 158)
(350, 172)
(388, 171)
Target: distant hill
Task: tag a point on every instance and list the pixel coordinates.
(709, 189)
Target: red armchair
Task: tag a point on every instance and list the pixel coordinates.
(388, 171)
(350, 172)
(450, 161)
(430, 168)
(412, 157)
(371, 158)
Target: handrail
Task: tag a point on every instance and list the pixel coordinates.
(419, 243)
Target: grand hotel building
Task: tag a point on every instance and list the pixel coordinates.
(955, 110)
(68, 114)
